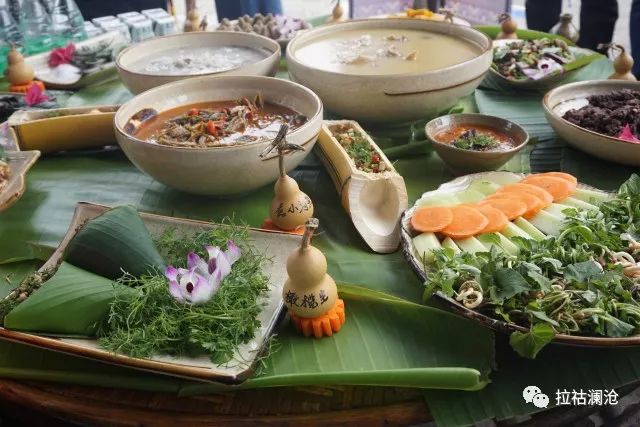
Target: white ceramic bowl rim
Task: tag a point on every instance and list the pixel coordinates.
(622, 83)
(274, 47)
(472, 118)
(215, 79)
(489, 46)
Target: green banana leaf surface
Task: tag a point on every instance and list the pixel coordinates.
(57, 182)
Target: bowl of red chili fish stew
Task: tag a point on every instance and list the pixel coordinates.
(469, 143)
(205, 135)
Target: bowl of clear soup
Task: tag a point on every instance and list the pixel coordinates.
(162, 60)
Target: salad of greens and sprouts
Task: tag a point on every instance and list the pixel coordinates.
(586, 281)
(531, 59)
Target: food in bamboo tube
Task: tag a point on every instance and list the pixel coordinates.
(310, 294)
(508, 27)
(290, 207)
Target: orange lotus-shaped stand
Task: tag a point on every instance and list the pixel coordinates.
(321, 326)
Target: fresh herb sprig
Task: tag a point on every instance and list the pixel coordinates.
(575, 283)
(472, 140)
(153, 322)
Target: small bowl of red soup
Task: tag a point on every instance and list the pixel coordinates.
(469, 143)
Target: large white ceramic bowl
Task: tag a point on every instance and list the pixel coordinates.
(218, 171)
(137, 81)
(392, 97)
(574, 95)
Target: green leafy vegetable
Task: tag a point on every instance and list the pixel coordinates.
(530, 343)
(474, 140)
(586, 281)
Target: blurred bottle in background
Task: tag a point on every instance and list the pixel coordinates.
(67, 23)
(9, 33)
(35, 26)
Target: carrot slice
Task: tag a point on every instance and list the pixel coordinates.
(559, 188)
(466, 222)
(511, 207)
(562, 175)
(534, 205)
(497, 220)
(540, 193)
(431, 218)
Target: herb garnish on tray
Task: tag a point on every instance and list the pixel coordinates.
(156, 321)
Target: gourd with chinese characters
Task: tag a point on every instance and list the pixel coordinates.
(310, 294)
(290, 207)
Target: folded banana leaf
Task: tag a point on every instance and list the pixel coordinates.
(114, 242)
(73, 302)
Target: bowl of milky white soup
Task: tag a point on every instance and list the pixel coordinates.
(390, 70)
(161, 60)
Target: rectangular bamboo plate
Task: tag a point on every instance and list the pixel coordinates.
(19, 162)
(374, 201)
(75, 128)
(277, 245)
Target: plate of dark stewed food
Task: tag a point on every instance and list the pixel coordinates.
(601, 118)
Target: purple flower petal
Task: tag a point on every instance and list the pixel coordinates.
(213, 251)
(174, 290)
(183, 271)
(202, 291)
(192, 259)
(171, 273)
(232, 252)
(222, 264)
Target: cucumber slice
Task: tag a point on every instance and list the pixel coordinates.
(502, 178)
(528, 228)
(557, 208)
(449, 243)
(512, 230)
(577, 203)
(503, 243)
(471, 245)
(593, 197)
(438, 200)
(424, 245)
(470, 196)
(547, 223)
(483, 186)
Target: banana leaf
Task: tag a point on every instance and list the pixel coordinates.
(558, 367)
(114, 242)
(73, 302)
(385, 341)
(523, 33)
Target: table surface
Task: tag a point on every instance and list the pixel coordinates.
(57, 182)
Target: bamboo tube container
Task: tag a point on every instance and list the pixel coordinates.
(374, 201)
